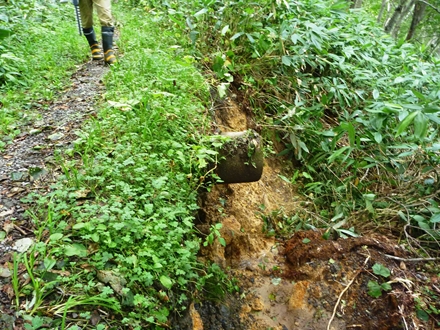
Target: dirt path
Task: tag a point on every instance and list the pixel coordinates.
(28, 164)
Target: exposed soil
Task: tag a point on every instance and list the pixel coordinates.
(298, 283)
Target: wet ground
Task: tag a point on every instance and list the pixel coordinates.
(302, 281)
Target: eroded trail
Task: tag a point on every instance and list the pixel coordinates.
(305, 282)
(28, 164)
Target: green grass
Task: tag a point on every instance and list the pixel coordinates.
(41, 55)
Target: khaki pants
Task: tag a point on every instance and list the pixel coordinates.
(103, 8)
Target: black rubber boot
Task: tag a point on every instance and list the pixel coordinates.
(89, 33)
(107, 44)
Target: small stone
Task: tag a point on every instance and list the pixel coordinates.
(5, 213)
(22, 245)
(257, 304)
(8, 227)
(18, 176)
(298, 299)
(55, 136)
(5, 272)
(34, 131)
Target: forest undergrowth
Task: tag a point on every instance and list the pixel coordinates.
(357, 112)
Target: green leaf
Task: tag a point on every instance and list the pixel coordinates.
(237, 35)
(306, 240)
(337, 153)
(286, 60)
(349, 128)
(307, 175)
(222, 89)
(377, 137)
(422, 315)
(386, 286)
(381, 270)
(95, 237)
(222, 241)
(201, 12)
(159, 182)
(225, 29)
(4, 33)
(369, 197)
(150, 319)
(49, 263)
(55, 237)
(37, 322)
(349, 232)
(435, 218)
(369, 206)
(406, 122)
(75, 249)
(420, 125)
(431, 109)
(79, 225)
(375, 94)
(374, 289)
(419, 95)
(166, 281)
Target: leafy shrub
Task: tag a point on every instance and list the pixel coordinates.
(359, 111)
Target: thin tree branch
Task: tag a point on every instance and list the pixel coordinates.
(432, 6)
(411, 259)
(343, 291)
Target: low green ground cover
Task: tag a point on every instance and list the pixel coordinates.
(117, 230)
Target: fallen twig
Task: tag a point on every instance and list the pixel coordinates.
(411, 259)
(20, 230)
(343, 291)
(401, 309)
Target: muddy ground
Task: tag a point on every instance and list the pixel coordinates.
(303, 281)
(299, 282)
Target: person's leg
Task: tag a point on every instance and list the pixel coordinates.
(86, 11)
(103, 7)
(104, 10)
(107, 44)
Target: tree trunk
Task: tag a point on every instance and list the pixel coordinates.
(356, 4)
(382, 9)
(419, 11)
(434, 43)
(405, 11)
(400, 12)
